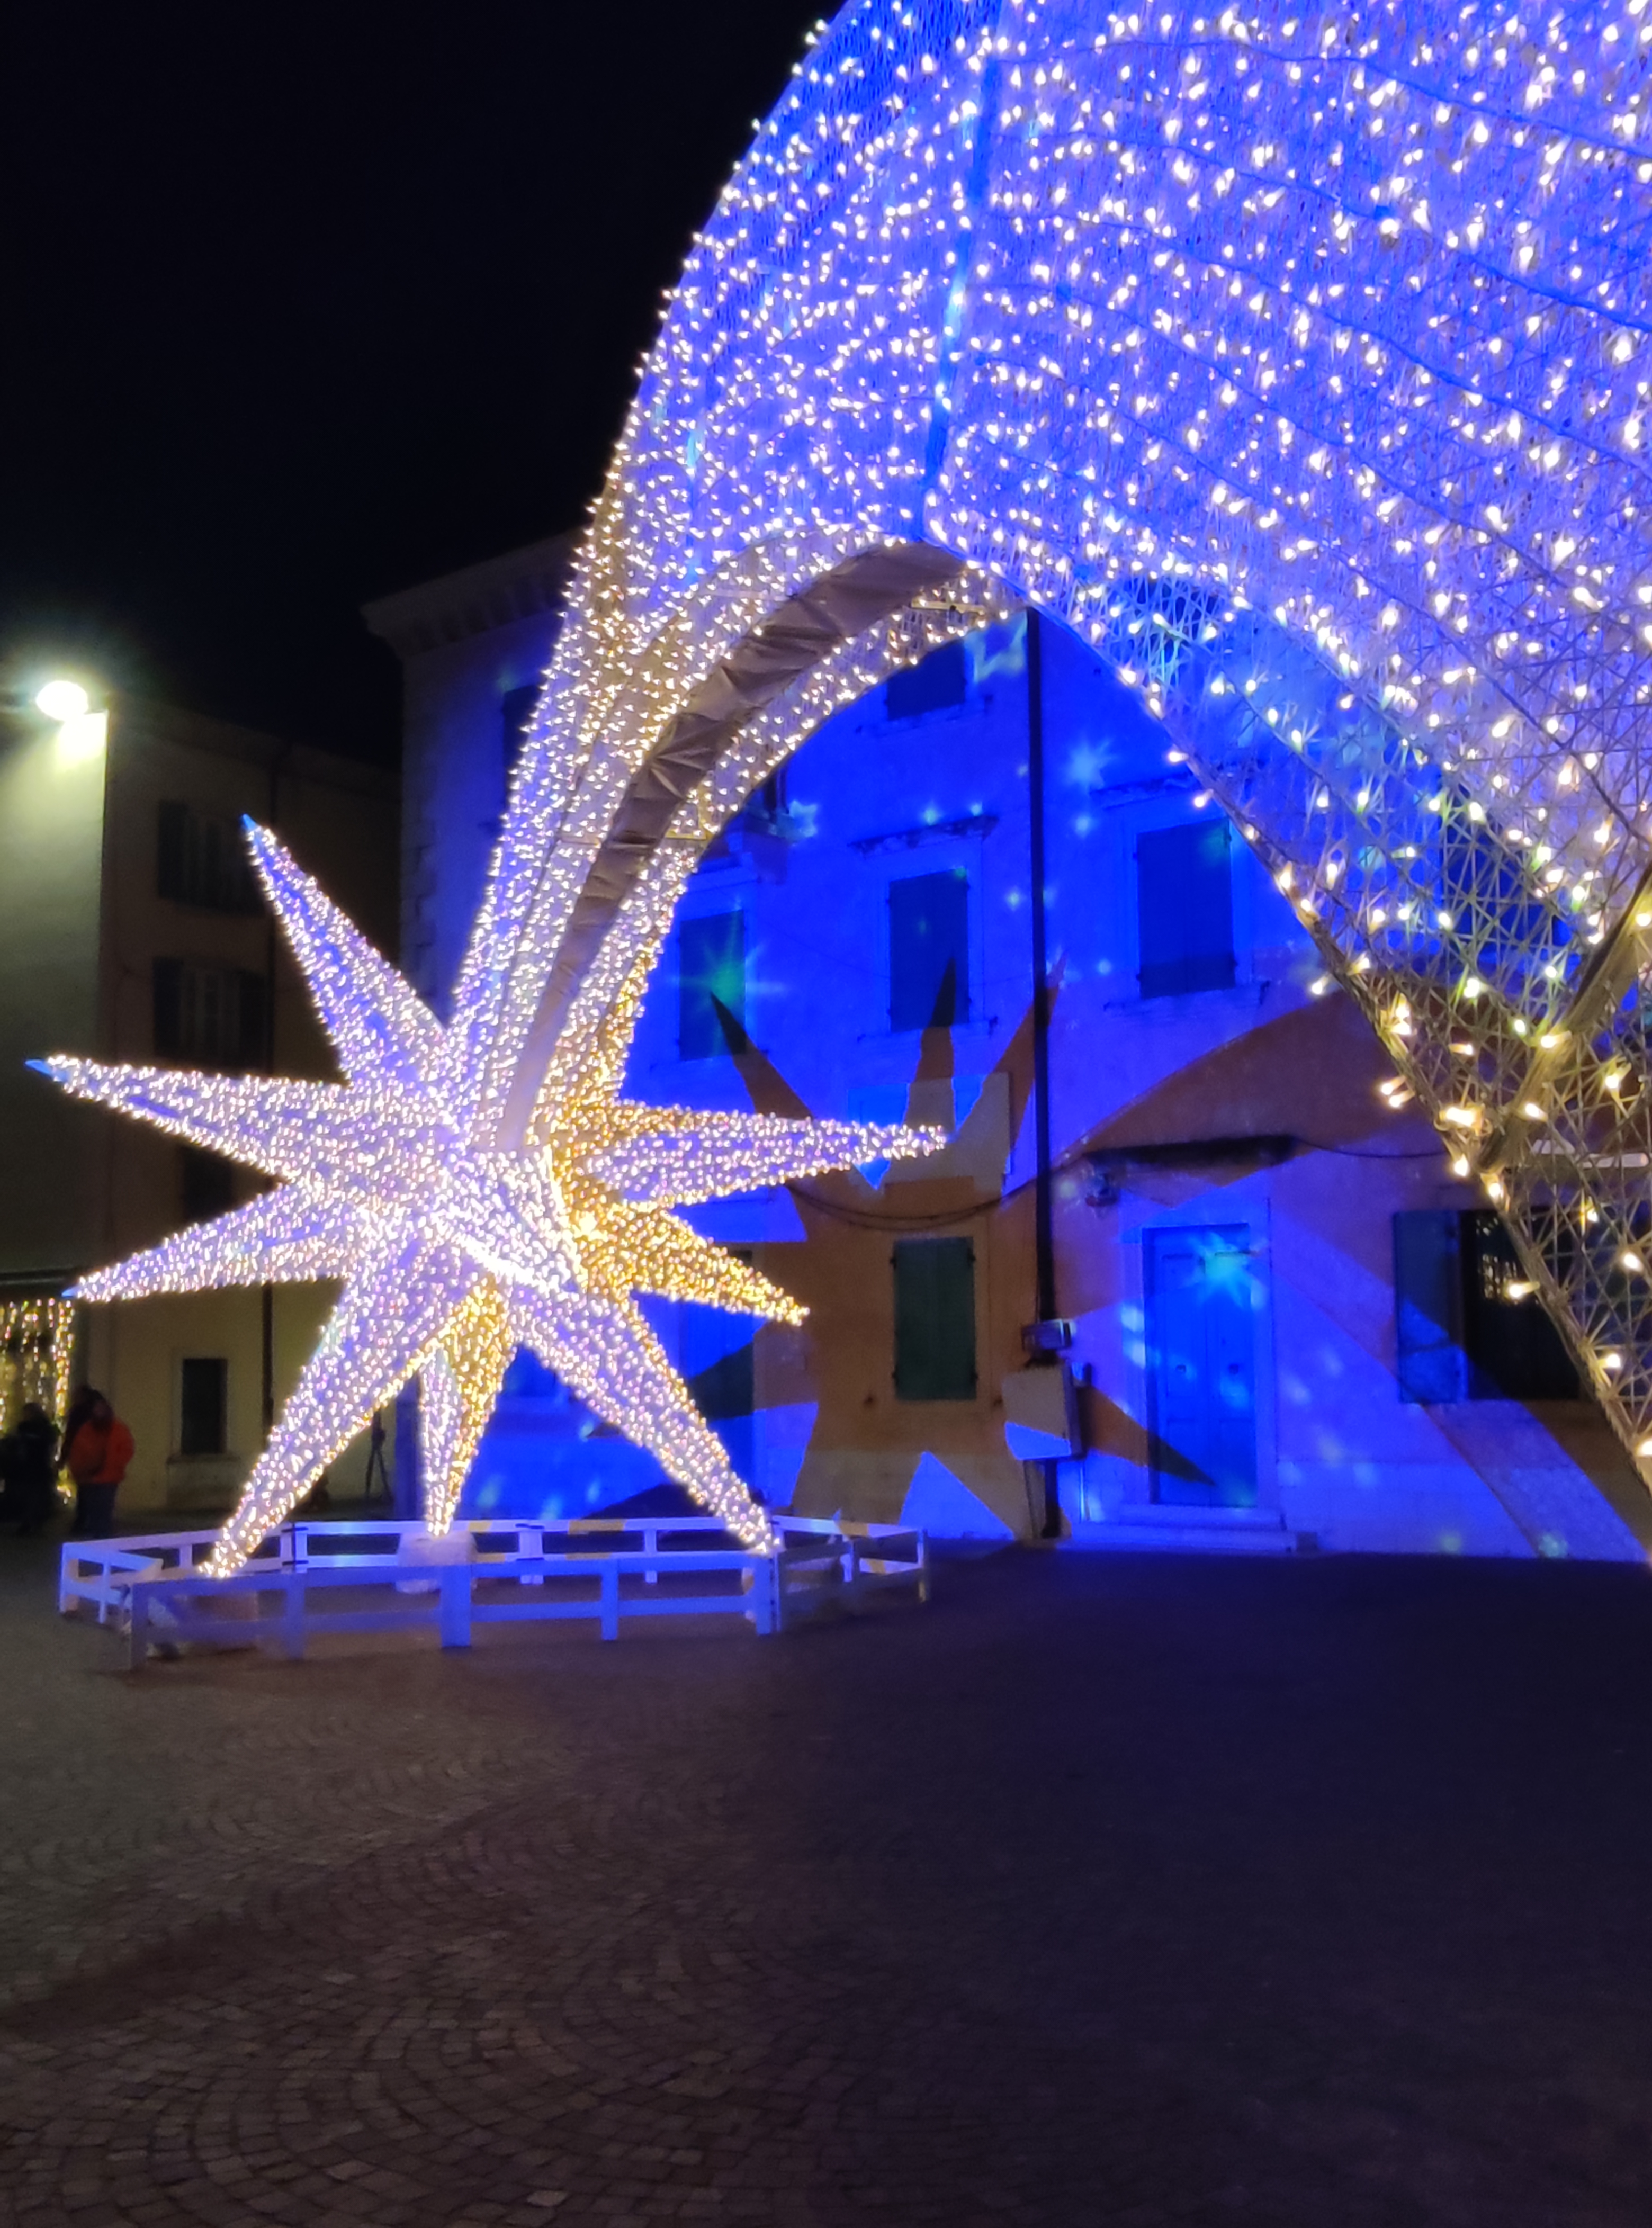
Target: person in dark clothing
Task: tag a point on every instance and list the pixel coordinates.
(29, 1468)
(98, 1456)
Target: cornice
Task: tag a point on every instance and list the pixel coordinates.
(476, 599)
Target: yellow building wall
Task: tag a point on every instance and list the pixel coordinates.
(340, 821)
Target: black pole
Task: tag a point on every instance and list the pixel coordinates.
(1043, 1199)
(1044, 1221)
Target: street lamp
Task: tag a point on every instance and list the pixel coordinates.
(81, 732)
(62, 700)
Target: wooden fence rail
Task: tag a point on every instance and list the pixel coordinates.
(156, 1589)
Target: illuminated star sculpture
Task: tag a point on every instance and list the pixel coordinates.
(453, 1253)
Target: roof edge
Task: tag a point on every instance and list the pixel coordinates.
(458, 606)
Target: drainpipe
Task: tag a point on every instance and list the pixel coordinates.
(1043, 1201)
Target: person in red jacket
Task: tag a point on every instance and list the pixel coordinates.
(97, 1455)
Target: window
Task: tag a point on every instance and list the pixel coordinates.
(206, 1184)
(203, 861)
(516, 713)
(721, 1379)
(929, 949)
(937, 685)
(1468, 1326)
(767, 803)
(711, 972)
(1428, 1305)
(1185, 908)
(211, 1016)
(934, 1319)
(203, 1405)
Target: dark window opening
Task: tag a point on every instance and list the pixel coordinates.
(1469, 1325)
(203, 1405)
(934, 1318)
(728, 1387)
(767, 804)
(724, 1389)
(1184, 894)
(939, 684)
(711, 972)
(206, 1184)
(516, 716)
(203, 861)
(211, 1016)
(929, 933)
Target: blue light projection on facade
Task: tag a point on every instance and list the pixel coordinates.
(1296, 361)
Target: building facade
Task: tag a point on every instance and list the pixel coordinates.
(1220, 1290)
(131, 928)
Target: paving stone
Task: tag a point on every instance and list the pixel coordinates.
(1149, 1892)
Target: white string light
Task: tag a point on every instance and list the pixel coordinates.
(1296, 358)
(453, 1253)
(1328, 327)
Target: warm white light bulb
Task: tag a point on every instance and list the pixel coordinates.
(62, 700)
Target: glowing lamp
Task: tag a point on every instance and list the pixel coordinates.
(62, 700)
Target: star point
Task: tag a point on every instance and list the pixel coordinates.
(451, 1251)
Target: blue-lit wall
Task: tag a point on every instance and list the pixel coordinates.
(1153, 1099)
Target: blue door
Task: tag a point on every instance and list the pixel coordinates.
(1201, 1366)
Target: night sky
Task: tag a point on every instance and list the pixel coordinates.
(302, 306)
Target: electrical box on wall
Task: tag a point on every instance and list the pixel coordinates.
(1041, 1414)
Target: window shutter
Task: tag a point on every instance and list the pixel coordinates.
(934, 1294)
(251, 1046)
(203, 861)
(711, 965)
(929, 931)
(728, 1387)
(1460, 1335)
(1428, 1305)
(938, 684)
(171, 874)
(1184, 893)
(203, 1405)
(1515, 1352)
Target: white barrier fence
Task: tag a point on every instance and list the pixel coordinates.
(156, 1589)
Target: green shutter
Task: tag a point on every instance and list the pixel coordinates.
(934, 1319)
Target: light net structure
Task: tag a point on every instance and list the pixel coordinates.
(1298, 360)
(37, 1352)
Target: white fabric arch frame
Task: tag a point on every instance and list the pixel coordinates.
(1298, 360)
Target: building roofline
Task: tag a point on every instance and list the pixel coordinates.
(476, 599)
(139, 719)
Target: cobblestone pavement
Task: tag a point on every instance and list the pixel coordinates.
(1312, 1893)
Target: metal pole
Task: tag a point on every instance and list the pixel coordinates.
(1043, 1200)
(1044, 1239)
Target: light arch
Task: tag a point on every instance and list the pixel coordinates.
(1296, 360)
